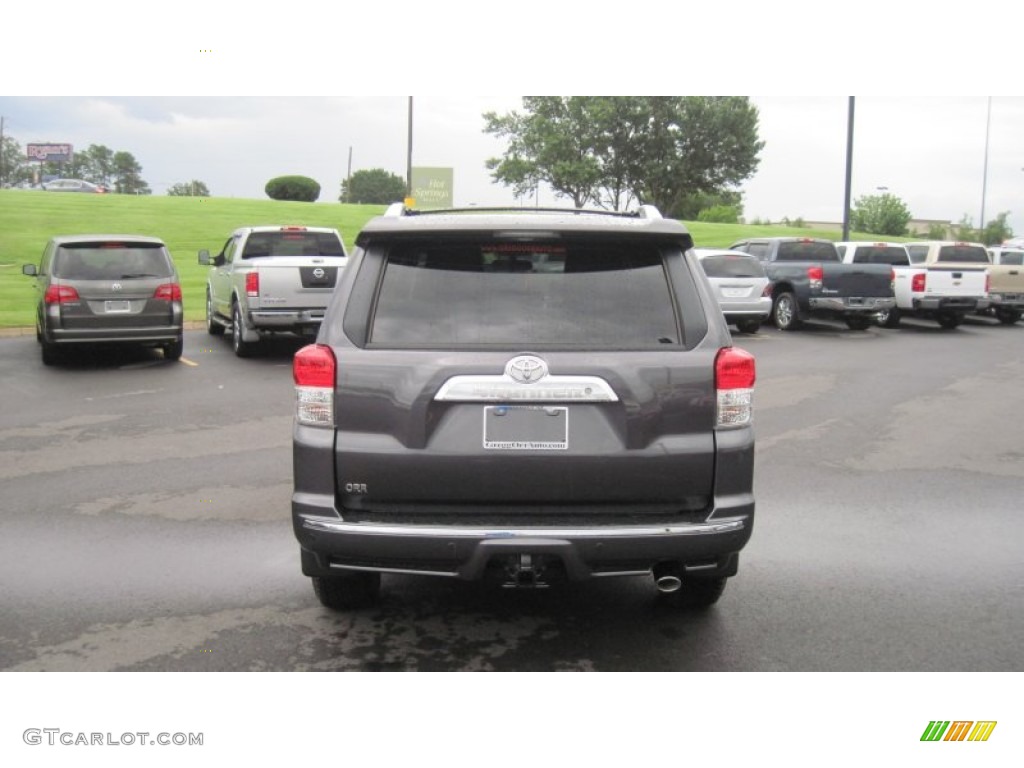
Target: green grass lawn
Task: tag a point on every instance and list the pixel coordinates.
(28, 218)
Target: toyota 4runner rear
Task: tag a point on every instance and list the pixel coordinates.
(532, 396)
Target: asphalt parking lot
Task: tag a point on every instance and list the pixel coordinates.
(145, 524)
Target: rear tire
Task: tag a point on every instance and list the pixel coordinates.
(697, 594)
(748, 326)
(1008, 316)
(857, 322)
(949, 320)
(786, 312)
(889, 318)
(241, 347)
(173, 350)
(212, 326)
(49, 353)
(346, 591)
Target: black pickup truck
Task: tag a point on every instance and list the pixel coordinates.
(808, 278)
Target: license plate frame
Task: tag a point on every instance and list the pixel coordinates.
(525, 428)
(117, 307)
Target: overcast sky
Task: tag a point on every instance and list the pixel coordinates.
(190, 101)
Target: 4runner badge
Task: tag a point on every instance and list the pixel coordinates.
(526, 369)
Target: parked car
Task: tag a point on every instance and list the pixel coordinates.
(808, 279)
(107, 289)
(1008, 303)
(741, 286)
(271, 280)
(933, 292)
(533, 395)
(73, 185)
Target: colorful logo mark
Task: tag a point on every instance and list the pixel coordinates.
(958, 730)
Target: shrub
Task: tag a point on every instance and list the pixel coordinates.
(300, 188)
(720, 214)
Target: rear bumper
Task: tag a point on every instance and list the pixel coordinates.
(949, 303)
(853, 304)
(285, 319)
(1006, 300)
(154, 335)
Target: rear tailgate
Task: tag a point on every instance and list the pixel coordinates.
(857, 280)
(1007, 279)
(955, 281)
(295, 282)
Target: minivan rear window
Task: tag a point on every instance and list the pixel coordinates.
(972, 254)
(732, 265)
(111, 260)
(575, 295)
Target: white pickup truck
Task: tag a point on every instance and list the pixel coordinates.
(929, 290)
(269, 280)
(1006, 282)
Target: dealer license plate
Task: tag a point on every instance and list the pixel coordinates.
(526, 428)
(113, 307)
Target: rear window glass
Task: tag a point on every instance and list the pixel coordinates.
(578, 295)
(973, 254)
(728, 265)
(800, 250)
(111, 261)
(295, 243)
(880, 254)
(918, 253)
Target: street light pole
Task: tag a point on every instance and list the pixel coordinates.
(849, 170)
(984, 174)
(408, 161)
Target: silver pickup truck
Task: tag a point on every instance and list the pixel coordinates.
(270, 280)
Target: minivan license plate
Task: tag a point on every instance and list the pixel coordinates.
(526, 428)
(111, 307)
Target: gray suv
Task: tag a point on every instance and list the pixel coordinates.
(107, 289)
(526, 395)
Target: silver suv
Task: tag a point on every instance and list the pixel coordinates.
(523, 395)
(107, 289)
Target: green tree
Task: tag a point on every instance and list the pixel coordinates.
(964, 229)
(719, 214)
(690, 207)
(997, 230)
(194, 188)
(299, 188)
(884, 214)
(128, 175)
(612, 151)
(14, 166)
(375, 186)
(97, 164)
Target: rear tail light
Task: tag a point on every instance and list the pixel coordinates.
(767, 292)
(734, 382)
(60, 294)
(988, 278)
(817, 277)
(918, 282)
(168, 292)
(252, 284)
(892, 280)
(313, 369)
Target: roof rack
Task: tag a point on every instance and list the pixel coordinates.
(644, 212)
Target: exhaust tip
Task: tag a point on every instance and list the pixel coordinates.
(668, 584)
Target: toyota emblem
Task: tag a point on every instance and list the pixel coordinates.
(318, 273)
(526, 369)
(115, 287)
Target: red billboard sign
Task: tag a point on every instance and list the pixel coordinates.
(49, 153)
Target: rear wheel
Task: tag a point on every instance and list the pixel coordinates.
(748, 326)
(345, 591)
(212, 326)
(241, 347)
(173, 350)
(889, 318)
(785, 312)
(857, 322)
(1008, 316)
(949, 320)
(49, 352)
(697, 593)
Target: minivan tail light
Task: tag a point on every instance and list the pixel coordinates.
(735, 373)
(817, 277)
(252, 284)
(313, 369)
(168, 292)
(60, 294)
(918, 282)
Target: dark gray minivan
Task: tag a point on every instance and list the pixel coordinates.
(107, 289)
(525, 394)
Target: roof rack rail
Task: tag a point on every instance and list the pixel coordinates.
(644, 212)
